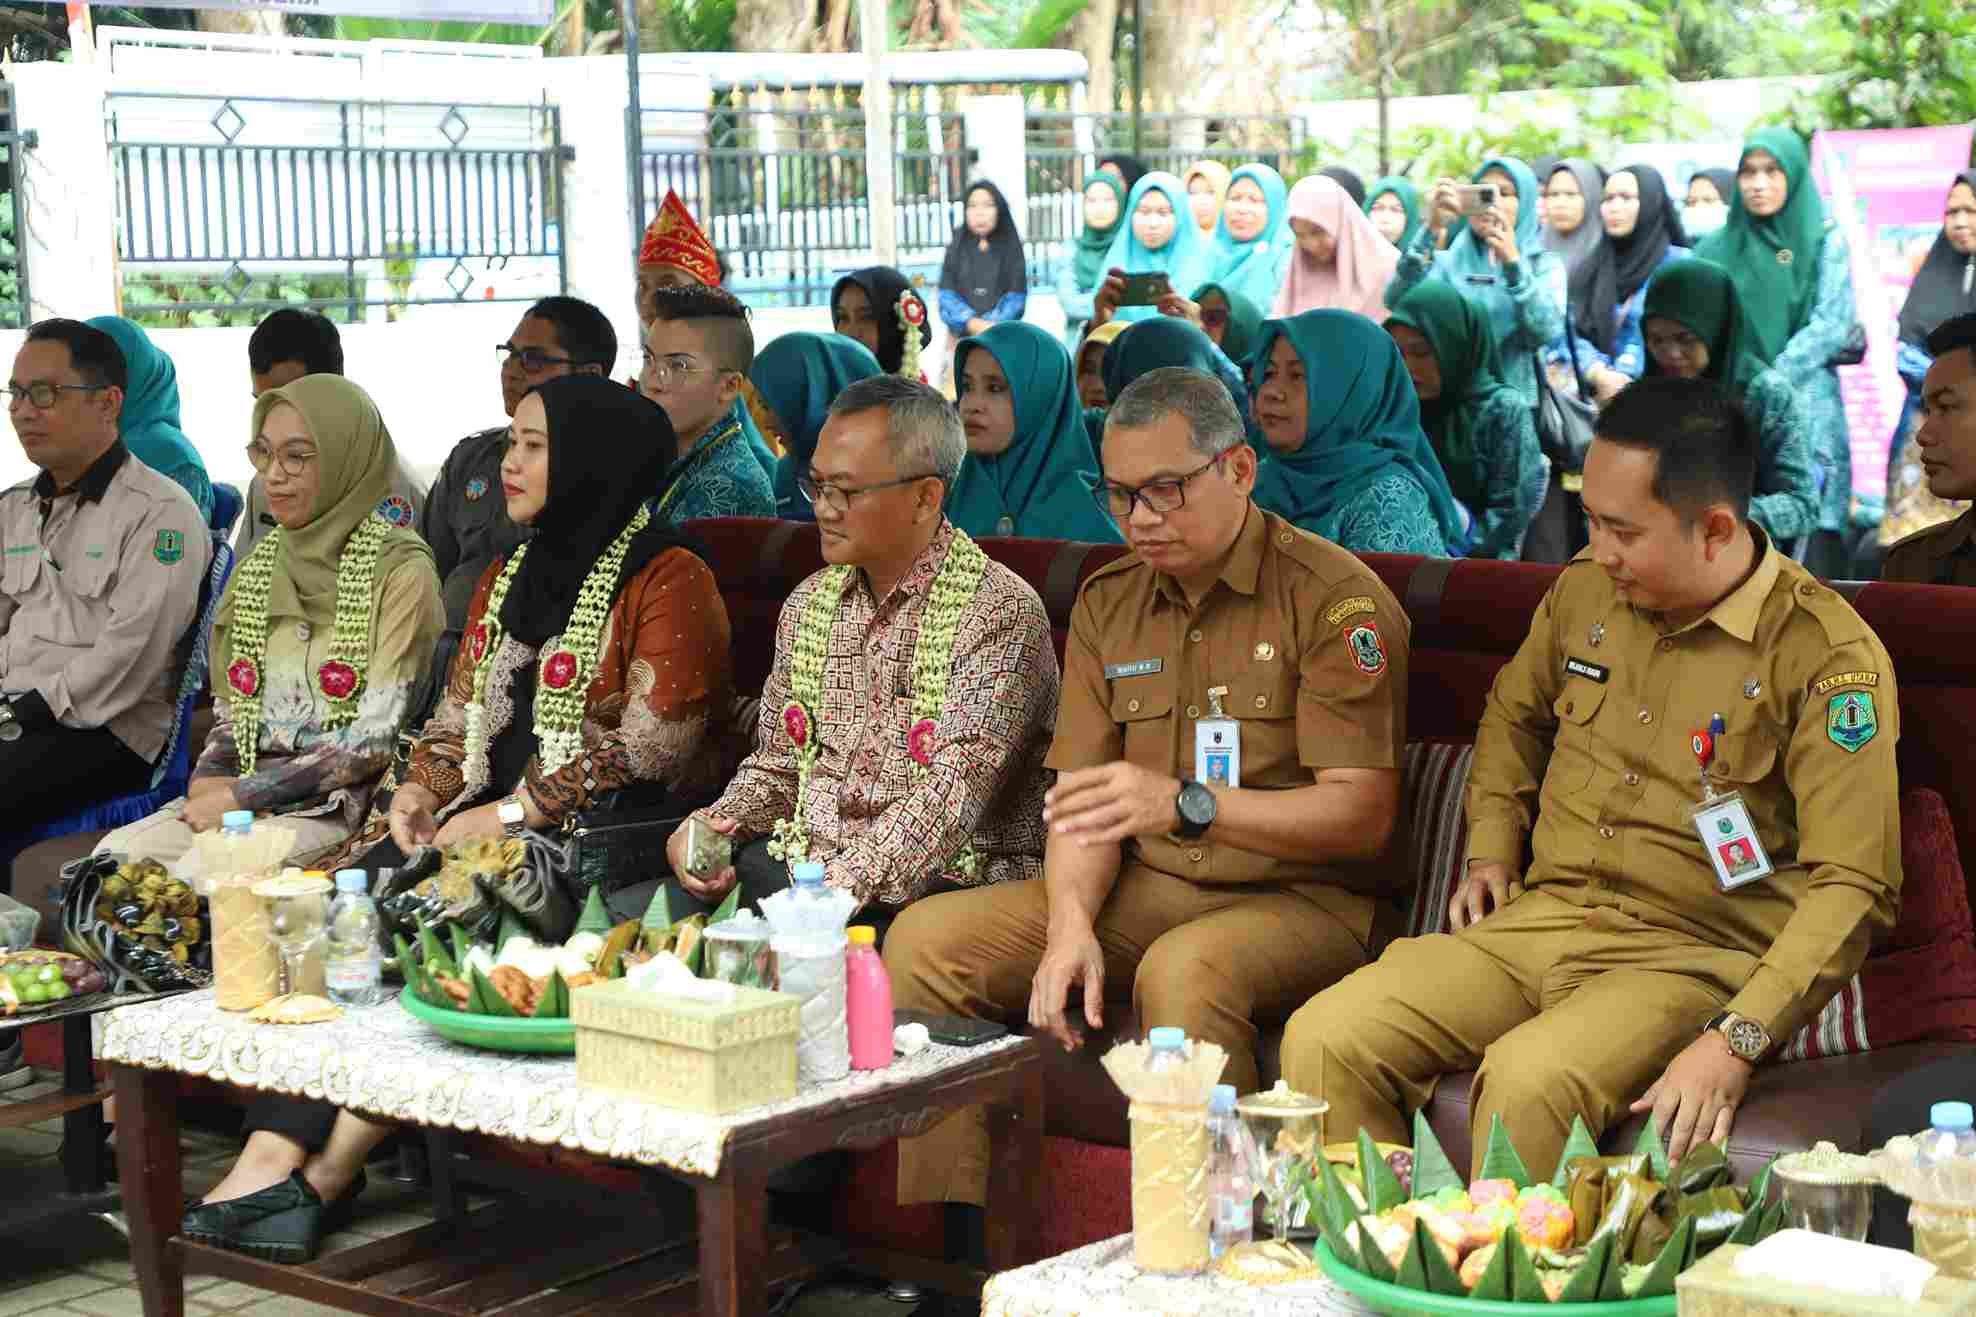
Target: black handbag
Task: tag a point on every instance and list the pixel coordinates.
(1564, 424)
(622, 839)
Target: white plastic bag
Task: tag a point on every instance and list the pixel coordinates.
(812, 969)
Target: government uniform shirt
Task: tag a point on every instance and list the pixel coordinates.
(1585, 748)
(1313, 650)
(99, 585)
(1937, 555)
(466, 521)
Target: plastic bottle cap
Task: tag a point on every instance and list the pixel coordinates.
(237, 818)
(862, 935)
(1951, 1115)
(1167, 1038)
(352, 880)
(1221, 1101)
(807, 873)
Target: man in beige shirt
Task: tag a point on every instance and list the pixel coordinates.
(101, 559)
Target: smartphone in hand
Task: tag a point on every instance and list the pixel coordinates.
(1145, 289)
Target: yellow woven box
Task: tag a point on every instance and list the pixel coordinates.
(710, 1057)
(1711, 1288)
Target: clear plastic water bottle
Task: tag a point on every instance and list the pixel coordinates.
(1231, 1183)
(1169, 1048)
(236, 823)
(806, 879)
(1950, 1135)
(351, 969)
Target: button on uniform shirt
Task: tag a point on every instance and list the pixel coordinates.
(1939, 555)
(1313, 650)
(1586, 749)
(465, 519)
(882, 834)
(98, 587)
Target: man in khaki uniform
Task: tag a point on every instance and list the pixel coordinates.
(1636, 966)
(1221, 903)
(1945, 554)
(101, 559)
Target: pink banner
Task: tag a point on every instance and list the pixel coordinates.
(1885, 190)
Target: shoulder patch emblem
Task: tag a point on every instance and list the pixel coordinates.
(1338, 612)
(476, 488)
(1367, 655)
(169, 547)
(1839, 679)
(396, 509)
(1850, 720)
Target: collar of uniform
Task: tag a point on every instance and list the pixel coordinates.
(1956, 537)
(1241, 571)
(94, 481)
(1740, 609)
(919, 576)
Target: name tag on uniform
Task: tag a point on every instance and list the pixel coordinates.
(1729, 838)
(1578, 667)
(1141, 668)
(1218, 752)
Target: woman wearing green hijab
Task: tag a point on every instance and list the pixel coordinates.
(1028, 455)
(1251, 239)
(148, 424)
(797, 377)
(1483, 432)
(1078, 280)
(1344, 456)
(1230, 320)
(1497, 261)
(1795, 277)
(1393, 206)
(1158, 236)
(1696, 327)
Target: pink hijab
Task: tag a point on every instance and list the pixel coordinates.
(1365, 264)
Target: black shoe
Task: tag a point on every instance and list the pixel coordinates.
(284, 1223)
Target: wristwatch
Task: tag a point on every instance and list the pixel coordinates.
(512, 815)
(1196, 809)
(1747, 1039)
(10, 723)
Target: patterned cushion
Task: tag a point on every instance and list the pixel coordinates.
(1435, 786)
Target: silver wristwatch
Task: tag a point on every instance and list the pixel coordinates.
(10, 722)
(514, 818)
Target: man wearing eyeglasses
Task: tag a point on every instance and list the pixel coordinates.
(698, 348)
(1228, 758)
(101, 560)
(903, 796)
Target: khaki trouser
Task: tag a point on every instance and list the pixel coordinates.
(164, 837)
(1207, 959)
(1567, 1011)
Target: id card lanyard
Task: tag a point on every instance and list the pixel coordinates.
(1217, 745)
(1722, 821)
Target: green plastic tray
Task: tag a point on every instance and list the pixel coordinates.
(1398, 1301)
(494, 1032)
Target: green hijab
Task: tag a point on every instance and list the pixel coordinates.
(1253, 268)
(1164, 341)
(1039, 488)
(355, 462)
(1471, 371)
(1468, 263)
(149, 423)
(1363, 424)
(1409, 196)
(1245, 319)
(1093, 245)
(799, 375)
(1702, 298)
(1774, 261)
(1185, 258)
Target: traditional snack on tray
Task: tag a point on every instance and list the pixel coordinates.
(297, 1008)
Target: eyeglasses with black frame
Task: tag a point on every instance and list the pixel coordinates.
(1161, 497)
(531, 359)
(836, 499)
(44, 395)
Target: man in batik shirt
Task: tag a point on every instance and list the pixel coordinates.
(914, 694)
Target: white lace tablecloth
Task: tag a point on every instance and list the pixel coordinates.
(382, 1062)
(1101, 1281)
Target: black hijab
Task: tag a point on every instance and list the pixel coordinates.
(885, 286)
(609, 448)
(1942, 288)
(1130, 167)
(1354, 185)
(983, 278)
(1636, 256)
(1724, 181)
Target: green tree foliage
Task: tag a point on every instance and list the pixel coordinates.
(1901, 64)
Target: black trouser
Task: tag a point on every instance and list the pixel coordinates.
(1558, 530)
(305, 1120)
(1902, 1108)
(50, 773)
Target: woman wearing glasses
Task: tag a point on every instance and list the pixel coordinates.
(323, 634)
(797, 377)
(1344, 456)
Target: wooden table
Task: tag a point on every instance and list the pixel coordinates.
(511, 1257)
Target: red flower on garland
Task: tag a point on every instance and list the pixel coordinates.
(920, 741)
(337, 679)
(796, 722)
(477, 641)
(244, 675)
(560, 670)
(912, 309)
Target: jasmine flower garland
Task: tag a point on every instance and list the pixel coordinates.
(340, 677)
(567, 664)
(954, 587)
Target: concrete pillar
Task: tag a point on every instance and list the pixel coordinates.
(994, 127)
(68, 189)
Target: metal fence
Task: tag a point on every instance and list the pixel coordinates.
(14, 312)
(228, 206)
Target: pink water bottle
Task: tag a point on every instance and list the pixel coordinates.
(869, 1001)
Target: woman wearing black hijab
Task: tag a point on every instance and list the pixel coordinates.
(865, 305)
(984, 279)
(1354, 185)
(1944, 287)
(1642, 232)
(1129, 168)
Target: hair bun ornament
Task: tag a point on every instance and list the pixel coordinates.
(913, 331)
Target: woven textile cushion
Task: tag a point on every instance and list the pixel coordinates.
(1435, 784)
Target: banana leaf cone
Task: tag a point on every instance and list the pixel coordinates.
(1643, 1232)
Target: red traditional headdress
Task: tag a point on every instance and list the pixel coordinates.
(675, 239)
